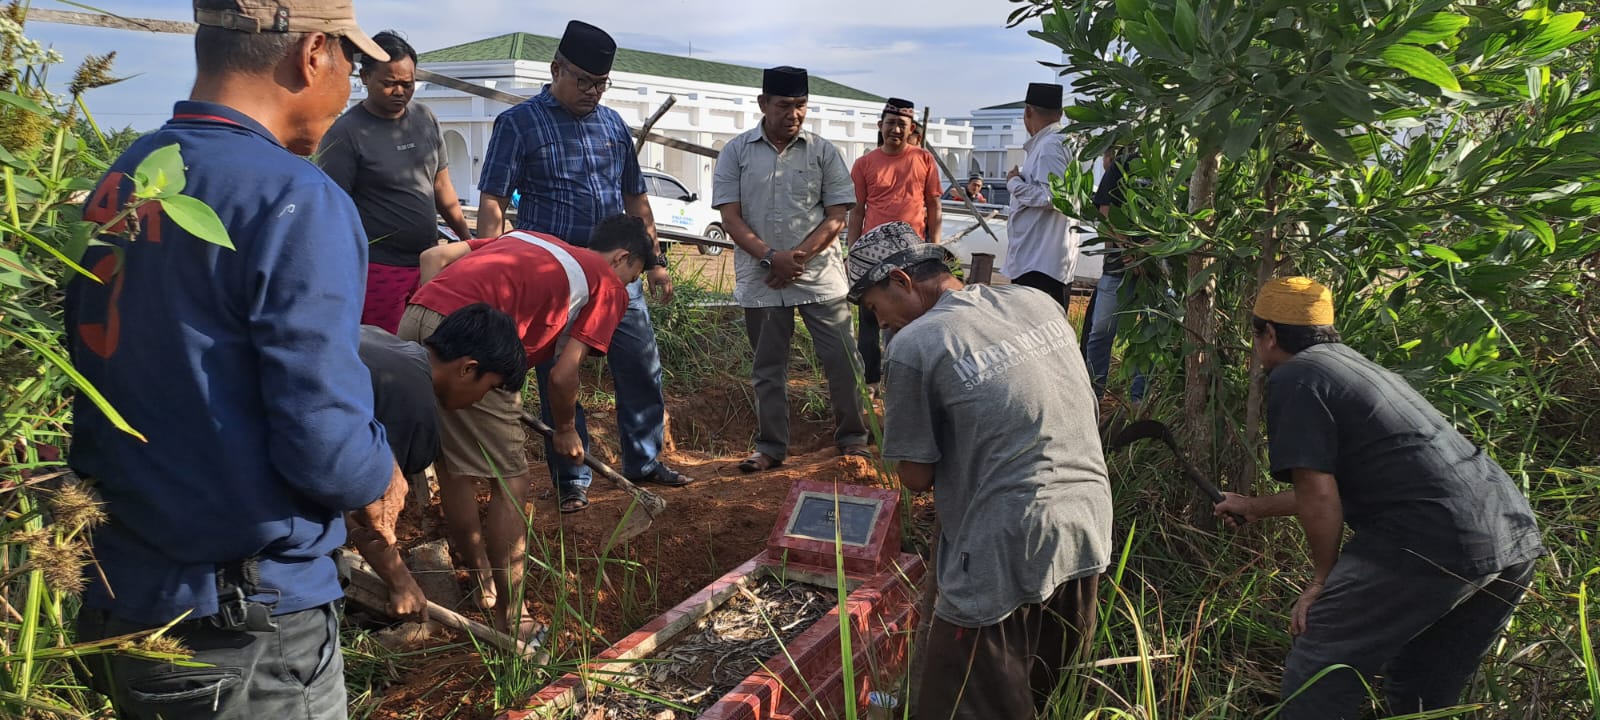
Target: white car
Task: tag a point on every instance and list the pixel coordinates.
(677, 208)
(957, 221)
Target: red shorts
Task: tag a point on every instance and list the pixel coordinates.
(388, 288)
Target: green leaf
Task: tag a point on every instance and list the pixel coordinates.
(1579, 143)
(1184, 25)
(18, 101)
(1420, 64)
(1442, 253)
(1242, 133)
(1321, 124)
(160, 174)
(1438, 27)
(78, 241)
(196, 217)
(1541, 230)
(1286, 38)
(1131, 9)
(1557, 33)
(14, 271)
(1083, 113)
(84, 386)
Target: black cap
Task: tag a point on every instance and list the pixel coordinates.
(975, 176)
(900, 106)
(1044, 95)
(588, 47)
(785, 81)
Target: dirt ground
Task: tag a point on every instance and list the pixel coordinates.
(708, 528)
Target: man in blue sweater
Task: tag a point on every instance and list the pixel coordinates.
(240, 368)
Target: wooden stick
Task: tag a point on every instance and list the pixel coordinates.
(650, 123)
(369, 590)
(652, 503)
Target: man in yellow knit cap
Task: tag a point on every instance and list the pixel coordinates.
(1443, 544)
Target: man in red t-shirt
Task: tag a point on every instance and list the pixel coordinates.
(567, 302)
(897, 181)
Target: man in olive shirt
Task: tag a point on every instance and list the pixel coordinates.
(784, 193)
(1443, 546)
(389, 155)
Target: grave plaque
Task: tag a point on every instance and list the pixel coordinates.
(866, 520)
(814, 518)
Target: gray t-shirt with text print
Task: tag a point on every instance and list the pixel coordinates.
(989, 387)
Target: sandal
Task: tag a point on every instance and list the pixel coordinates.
(759, 462)
(574, 499)
(663, 475)
(857, 450)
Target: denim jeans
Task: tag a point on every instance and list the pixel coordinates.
(1103, 334)
(295, 671)
(635, 364)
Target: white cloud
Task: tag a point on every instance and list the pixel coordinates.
(953, 55)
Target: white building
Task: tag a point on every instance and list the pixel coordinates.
(997, 138)
(715, 102)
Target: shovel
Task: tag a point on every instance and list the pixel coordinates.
(652, 503)
(1155, 429)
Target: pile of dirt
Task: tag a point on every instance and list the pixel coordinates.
(709, 528)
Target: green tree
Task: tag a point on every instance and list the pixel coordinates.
(1433, 161)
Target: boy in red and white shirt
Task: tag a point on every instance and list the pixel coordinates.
(566, 302)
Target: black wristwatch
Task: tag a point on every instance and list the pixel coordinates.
(766, 262)
(661, 260)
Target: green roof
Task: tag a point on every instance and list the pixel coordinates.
(1018, 105)
(541, 48)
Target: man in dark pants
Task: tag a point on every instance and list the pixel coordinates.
(987, 404)
(1041, 251)
(784, 193)
(573, 161)
(894, 182)
(1443, 546)
(240, 368)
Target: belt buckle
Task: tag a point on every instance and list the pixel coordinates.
(232, 610)
(236, 613)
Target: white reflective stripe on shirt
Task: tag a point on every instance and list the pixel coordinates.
(577, 281)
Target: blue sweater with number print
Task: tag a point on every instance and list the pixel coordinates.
(238, 367)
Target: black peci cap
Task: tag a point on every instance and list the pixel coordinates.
(785, 81)
(1044, 95)
(588, 47)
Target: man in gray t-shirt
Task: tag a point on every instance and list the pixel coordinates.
(389, 155)
(988, 404)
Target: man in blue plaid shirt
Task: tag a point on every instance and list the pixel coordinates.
(573, 163)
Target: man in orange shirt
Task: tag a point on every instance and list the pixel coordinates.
(897, 181)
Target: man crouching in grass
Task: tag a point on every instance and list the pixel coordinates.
(988, 404)
(474, 350)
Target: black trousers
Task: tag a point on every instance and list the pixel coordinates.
(1425, 631)
(867, 342)
(1061, 291)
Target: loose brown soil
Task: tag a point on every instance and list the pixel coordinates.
(709, 528)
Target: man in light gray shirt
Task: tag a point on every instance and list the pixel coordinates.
(987, 404)
(784, 194)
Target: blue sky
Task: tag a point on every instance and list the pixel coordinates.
(952, 56)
